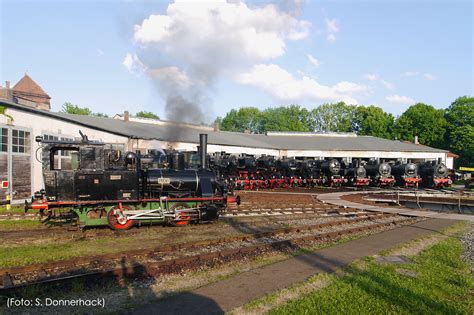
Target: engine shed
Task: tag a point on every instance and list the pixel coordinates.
(21, 161)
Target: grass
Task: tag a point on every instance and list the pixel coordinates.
(20, 224)
(11, 256)
(13, 208)
(443, 285)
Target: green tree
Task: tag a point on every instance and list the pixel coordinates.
(75, 109)
(373, 121)
(71, 108)
(337, 117)
(3, 112)
(246, 118)
(145, 114)
(287, 118)
(460, 129)
(424, 121)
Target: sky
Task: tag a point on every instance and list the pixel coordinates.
(193, 61)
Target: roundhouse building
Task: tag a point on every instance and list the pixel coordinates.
(20, 166)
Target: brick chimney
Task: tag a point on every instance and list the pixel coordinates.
(247, 131)
(7, 84)
(416, 140)
(216, 126)
(126, 116)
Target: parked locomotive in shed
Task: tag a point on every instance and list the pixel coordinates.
(406, 174)
(380, 174)
(356, 174)
(434, 174)
(107, 187)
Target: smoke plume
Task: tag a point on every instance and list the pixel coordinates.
(189, 48)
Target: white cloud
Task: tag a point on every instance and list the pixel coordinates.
(399, 99)
(331, 38)
(172, 75)
(190, 46)
(375, 77)
(282, 85)
(371, 76)
(429, 76)
(388, 85)
(411, 73)
(199, 31)
(100, 53)
(332, 27)
(312, 60)
(133, 64)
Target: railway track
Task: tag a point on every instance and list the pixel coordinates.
(176, 257)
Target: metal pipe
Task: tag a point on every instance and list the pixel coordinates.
(203, 149)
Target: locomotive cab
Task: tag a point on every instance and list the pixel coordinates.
(91, 171)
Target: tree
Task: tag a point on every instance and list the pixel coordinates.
(424, 121)
(71, 108)
(460, 129)
(373, 121)
(287, 118)
(336, 117)
(246, 118)
(3, 112)
(145, 114)
(75, 109)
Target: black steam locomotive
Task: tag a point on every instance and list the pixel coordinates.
(434, 174)
(406, 174)
(104, 186)
(380, 174)
(356, 174)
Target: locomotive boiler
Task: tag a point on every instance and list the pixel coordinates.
(107, 187)
(380, 174)
(434, 174)
(406, 174)
(356, 174)
(330, 172)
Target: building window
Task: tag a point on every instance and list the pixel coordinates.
(62, 158)
(20, 141)
(4, 140)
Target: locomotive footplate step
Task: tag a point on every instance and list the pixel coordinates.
(226, 295)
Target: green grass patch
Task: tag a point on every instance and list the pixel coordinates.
(443, 285)
(20, 224)
(13, 208)
(11, 256)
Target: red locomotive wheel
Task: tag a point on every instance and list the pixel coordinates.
(117, 221)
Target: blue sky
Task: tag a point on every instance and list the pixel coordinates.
(387, 53)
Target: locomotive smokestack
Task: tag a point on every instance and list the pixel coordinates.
(203, 149)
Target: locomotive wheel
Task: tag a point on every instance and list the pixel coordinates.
(116, 219)
(184, 219)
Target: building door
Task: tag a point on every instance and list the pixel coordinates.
(15, 162)
(4, 160)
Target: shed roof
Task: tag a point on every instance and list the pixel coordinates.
(178, 133)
